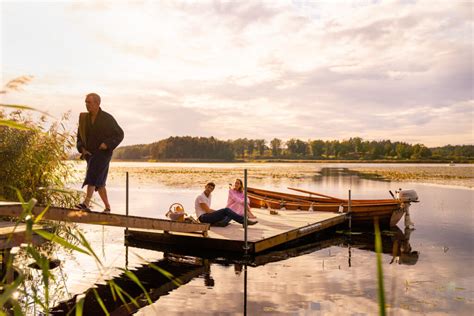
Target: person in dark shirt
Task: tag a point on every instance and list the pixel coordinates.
(98, 135)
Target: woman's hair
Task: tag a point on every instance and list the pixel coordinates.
(241, 185)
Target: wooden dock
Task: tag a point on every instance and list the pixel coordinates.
(271, 231)
(108, 219)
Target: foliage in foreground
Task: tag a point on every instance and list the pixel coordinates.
(33, 152)
(33, 158)
(380, 278)
(22, 293)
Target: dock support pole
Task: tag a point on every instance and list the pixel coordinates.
(245, 212)
(350, 211)
(126, 197)
(245, 289)
(126, 213)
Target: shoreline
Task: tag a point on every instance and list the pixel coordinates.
(322, 161)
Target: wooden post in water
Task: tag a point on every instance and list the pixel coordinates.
(246, 247)
(349, 209)
(126, 213)
(245, 289)
(126, 197)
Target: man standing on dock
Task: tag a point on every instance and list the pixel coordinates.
(220, 217)
(98, 135)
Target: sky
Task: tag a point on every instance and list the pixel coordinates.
(398, 70)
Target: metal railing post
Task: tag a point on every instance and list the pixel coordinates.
(349, 209)
(126, 214)
(126, 196)
(245, 211)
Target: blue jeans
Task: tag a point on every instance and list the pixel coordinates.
(224, 215)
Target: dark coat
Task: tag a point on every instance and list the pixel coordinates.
(104, 130)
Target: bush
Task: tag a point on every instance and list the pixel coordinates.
(33, 160)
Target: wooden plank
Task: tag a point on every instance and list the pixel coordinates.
(186, 240)
(271, 225)
(108, 219)
(257, 259)
(297, 233)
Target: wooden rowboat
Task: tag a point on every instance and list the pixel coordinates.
(312, 197)
(388, 211)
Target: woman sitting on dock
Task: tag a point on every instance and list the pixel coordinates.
(220, 217)
(236, 200)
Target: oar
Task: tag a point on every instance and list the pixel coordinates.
(283, 198)
(315, 193)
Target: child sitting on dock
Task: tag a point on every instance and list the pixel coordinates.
(236, 200)
(220, 217)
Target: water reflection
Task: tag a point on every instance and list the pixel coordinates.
(346, 175)
(332, 274)
(122, 295)
(394, 242)
(180, 265)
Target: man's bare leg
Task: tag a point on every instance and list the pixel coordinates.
(103, 195)
(90, 192)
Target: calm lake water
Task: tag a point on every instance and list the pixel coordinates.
(334, 274)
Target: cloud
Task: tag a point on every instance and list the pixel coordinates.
(284, 69)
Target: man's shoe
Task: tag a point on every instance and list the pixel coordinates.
(106, 210)
(250, 222)
(83, 207)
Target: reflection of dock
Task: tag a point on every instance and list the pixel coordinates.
(271, 231)
(296, 248)
(153, 280)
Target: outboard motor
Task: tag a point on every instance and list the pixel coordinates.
(407, 197)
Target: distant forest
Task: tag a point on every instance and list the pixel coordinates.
(210, 148)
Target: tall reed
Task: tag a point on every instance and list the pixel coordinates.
(380, 278)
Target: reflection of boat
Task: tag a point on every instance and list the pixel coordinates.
(388, 211)
(394, 242)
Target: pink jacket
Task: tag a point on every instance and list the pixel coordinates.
(235, 201)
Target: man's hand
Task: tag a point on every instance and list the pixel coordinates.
(206, 208)
(85, 152)
(103, 146)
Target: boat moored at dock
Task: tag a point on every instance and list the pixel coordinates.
(362, 211)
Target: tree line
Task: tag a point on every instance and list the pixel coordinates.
(210, 148)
